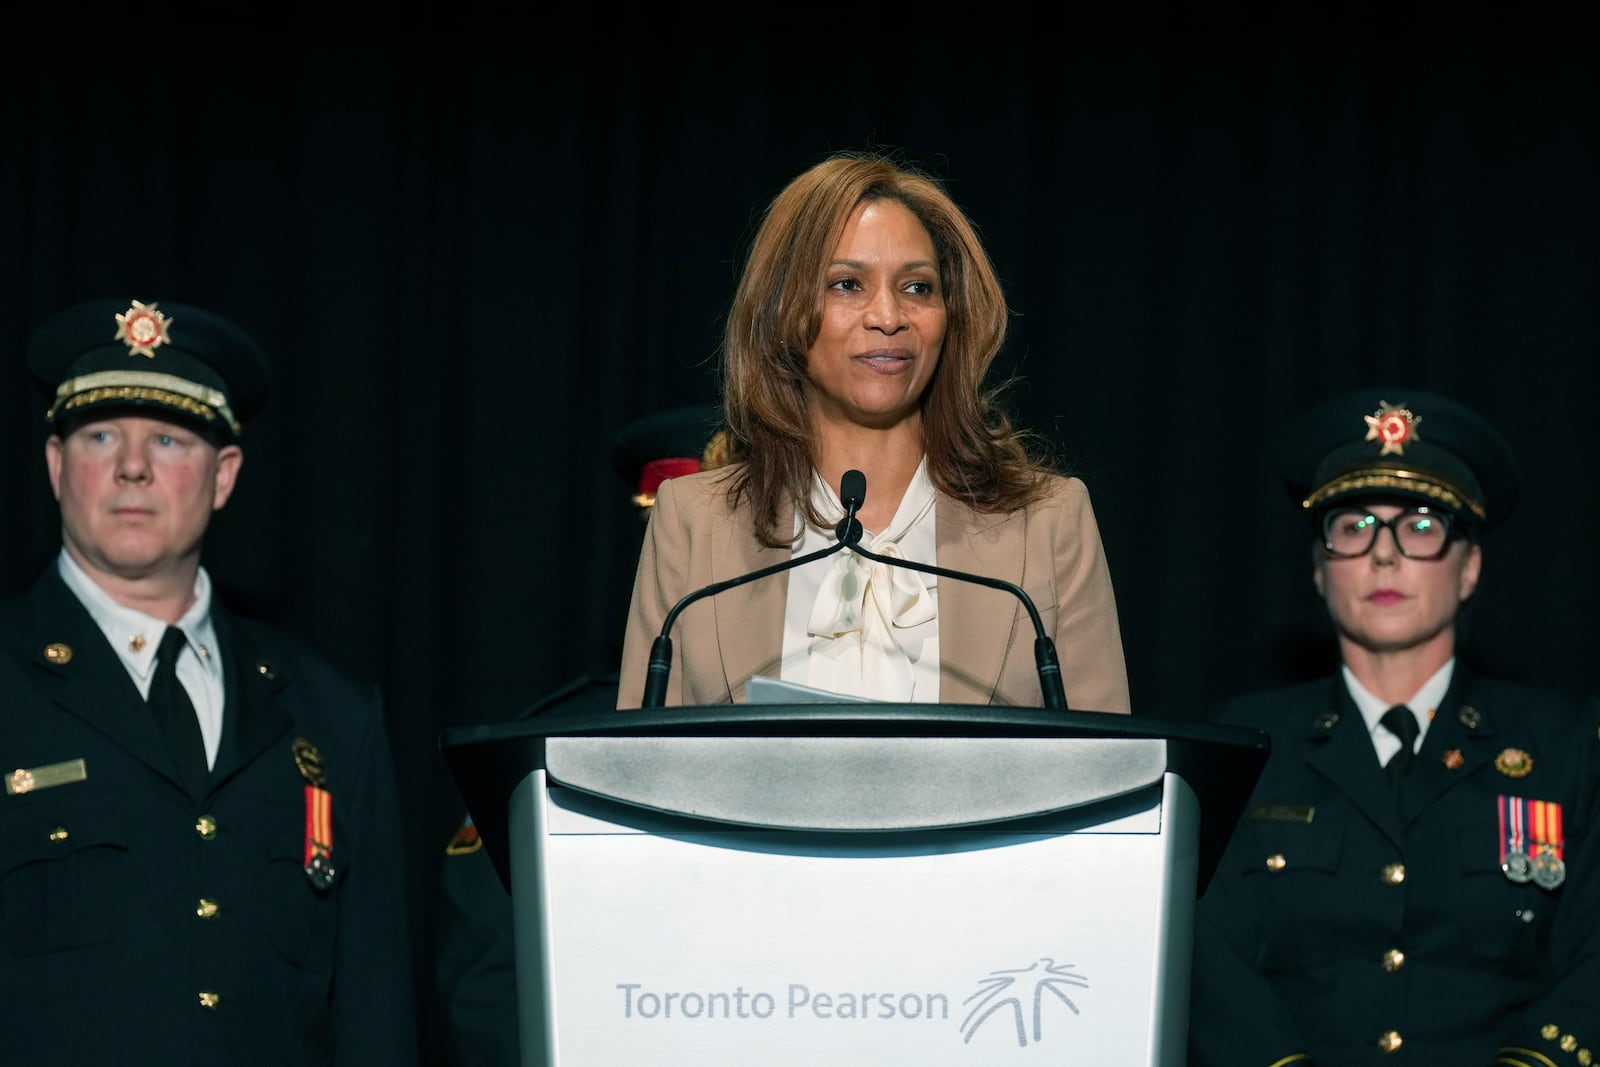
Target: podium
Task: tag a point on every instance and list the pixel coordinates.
(853, 883)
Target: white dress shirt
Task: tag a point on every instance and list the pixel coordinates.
(1423, 703)
(135, 636)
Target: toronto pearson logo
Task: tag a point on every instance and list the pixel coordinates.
(1019, 992)
(1018, 1000)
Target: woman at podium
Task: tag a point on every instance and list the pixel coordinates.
(863, 325)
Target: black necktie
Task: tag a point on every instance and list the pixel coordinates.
(1399, 721)
(174, 712)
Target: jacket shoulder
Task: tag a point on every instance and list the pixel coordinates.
(274, 651)
(1508, 703)
(1273, 709)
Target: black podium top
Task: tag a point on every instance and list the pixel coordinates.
(1220, 763)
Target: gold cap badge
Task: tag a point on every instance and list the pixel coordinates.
(1394, 425)
(144, 329)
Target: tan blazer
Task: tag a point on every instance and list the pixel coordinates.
(1051, 549)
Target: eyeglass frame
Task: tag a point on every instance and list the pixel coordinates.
(1452, 531)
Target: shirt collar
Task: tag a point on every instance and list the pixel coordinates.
(133, 635)
(1423, 703)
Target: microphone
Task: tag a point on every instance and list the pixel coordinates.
(852, 493)
(1044, 649)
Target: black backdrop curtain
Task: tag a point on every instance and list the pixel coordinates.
(475, 249)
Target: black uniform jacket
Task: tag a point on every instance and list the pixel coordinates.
(141, 924)
(1360, 928)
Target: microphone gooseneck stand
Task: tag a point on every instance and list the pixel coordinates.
(852, 493)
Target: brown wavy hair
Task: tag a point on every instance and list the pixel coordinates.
(974, 453)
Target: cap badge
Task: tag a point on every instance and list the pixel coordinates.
(144, 329)
(1394, 425)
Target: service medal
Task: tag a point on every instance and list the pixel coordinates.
(1514, 859)
(319, 815)
(1549, 837)
(1549, 870)
(1518, 867)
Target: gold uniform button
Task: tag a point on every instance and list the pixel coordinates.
(1276, 862)
(1390, 1041)
(206, 827)
(1394, 873)
(210, 1000)
(1393, 960)
(207, 909)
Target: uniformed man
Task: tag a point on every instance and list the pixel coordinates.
(201, 859)
(1416, 879)
(476, 972)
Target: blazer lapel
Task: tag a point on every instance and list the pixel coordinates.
(1340, 749)
(749, 618)
(254, 716)
(1460, 739)
(972, 654)
(86, 679)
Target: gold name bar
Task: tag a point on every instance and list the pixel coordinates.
(27, 779)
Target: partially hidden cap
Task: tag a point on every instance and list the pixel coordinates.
(167, 360)
(1404, 443)
(664, 445)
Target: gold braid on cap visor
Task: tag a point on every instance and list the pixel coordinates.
(165, 389)
(1401, 481)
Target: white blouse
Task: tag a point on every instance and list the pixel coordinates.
(861, 628)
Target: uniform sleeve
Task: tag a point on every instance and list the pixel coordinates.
(1561, 1028)
(1236, 1018)
(660, 582)
(476, 967)
(1088, 635)
(374, 1003)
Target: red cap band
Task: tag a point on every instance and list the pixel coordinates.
(659, 470)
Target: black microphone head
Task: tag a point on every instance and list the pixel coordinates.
(853, 490)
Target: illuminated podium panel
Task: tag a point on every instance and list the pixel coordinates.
(900, 884)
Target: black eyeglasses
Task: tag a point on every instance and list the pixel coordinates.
(1419, 533)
